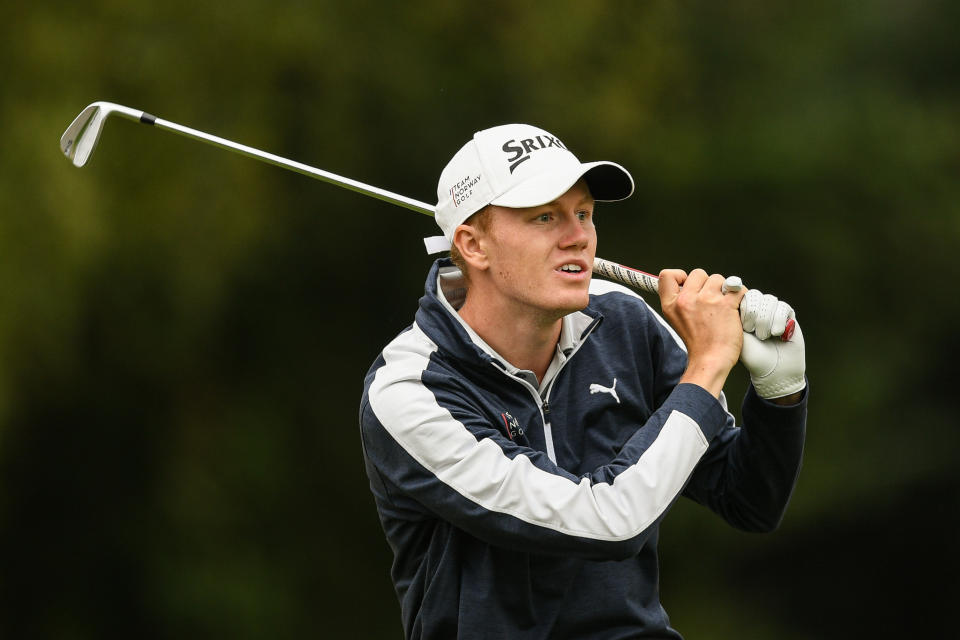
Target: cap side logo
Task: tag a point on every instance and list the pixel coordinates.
(463, 189)
(522, 149)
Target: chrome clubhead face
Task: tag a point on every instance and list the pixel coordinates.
(78, 141)
(81, 137)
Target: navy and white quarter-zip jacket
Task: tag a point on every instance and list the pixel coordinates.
(513, 515)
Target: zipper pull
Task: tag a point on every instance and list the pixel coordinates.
(546, 408)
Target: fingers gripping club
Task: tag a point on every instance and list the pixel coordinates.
(759, 312)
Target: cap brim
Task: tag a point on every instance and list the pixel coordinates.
(607, 182)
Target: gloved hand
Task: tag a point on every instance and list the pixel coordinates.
(776, 367)
(764, 315)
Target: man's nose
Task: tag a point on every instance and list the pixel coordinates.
(574, 232)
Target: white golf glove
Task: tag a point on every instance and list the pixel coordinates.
(763, 315)
(776, 366)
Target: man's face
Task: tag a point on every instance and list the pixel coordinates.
(541, 257)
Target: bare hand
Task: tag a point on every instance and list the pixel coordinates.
(707, 320)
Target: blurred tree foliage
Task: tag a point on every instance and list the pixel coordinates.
(184, 332)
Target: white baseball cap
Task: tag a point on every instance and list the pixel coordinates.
(518, 165)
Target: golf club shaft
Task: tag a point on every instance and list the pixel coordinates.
(98, 112)
(292, 165)
(604, 268)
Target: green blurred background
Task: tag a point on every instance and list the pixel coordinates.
(184, 332)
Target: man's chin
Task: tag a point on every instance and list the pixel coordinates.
(576, 303)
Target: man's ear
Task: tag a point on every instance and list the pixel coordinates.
(469, 242)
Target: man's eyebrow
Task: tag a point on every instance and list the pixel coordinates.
(556, 203)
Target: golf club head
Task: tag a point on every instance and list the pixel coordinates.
(81, 137)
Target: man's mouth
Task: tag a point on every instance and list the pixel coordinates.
(571, 268)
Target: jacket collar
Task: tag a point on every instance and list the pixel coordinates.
(444, 292)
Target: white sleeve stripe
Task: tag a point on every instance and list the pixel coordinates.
(480, 472)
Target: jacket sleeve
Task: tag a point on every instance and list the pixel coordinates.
(431, 454)
(748, 474)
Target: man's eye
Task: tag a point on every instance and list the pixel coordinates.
(544, 217)
(582, 215)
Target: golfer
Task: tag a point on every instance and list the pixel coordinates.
(526, 435)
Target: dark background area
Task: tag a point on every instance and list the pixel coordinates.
(184, 332)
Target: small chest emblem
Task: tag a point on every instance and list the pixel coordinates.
(514, 430)
(612, 390)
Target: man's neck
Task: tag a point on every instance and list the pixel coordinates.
(526, 341)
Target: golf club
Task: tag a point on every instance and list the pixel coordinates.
(81, 137)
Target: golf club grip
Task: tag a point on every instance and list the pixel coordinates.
(649, 283)
(633, 278)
